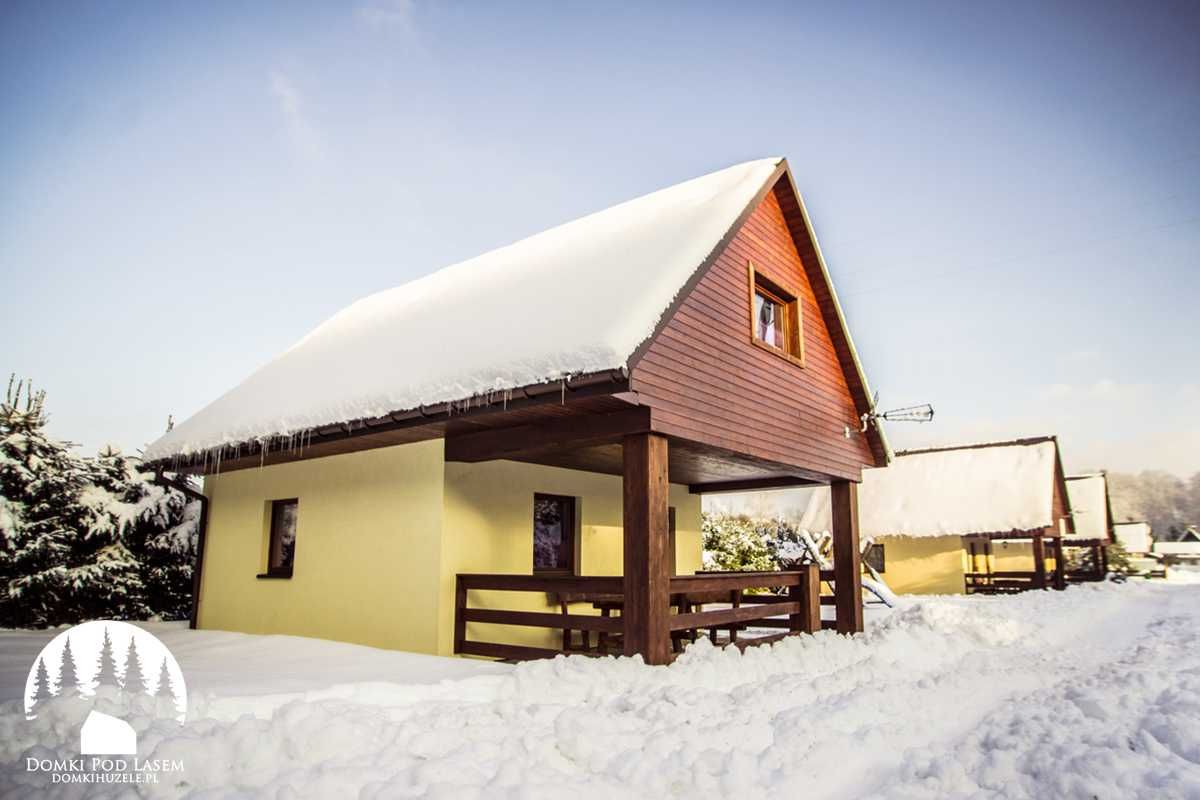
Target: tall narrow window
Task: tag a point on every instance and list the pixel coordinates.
(553, 533)
(775, 321)
(281, 554)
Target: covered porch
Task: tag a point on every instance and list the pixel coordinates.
(646, 610)
(982, 578)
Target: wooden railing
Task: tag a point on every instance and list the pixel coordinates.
(793, 606)
(1002, 582)
(799, 613)
(548, 584)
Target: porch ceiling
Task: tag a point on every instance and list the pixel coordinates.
(593, 442)
(702, 468)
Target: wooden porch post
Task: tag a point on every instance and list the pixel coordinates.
(847, 567)
(1039, 561)
(647, 565)
(1103, 561)
(808, 594)
(1060, 565)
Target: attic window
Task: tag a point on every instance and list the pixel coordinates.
(775, 321)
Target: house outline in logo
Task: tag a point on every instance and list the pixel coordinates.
(104, 735)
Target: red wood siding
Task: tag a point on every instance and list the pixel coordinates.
(1059, 507)
(707, 382)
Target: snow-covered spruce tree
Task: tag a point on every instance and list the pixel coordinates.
(85, 538)
(735, 543)
(156, 525)
(105, 573)
(40, 482)
(1118, 558)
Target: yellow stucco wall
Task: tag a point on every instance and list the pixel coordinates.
(368, 548)
(926, 565)
(381, 534)
(489, 528)
(1017, 556)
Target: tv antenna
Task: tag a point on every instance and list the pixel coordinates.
(921, 413)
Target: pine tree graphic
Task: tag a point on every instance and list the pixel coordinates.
(43, 688)
(133, 680)
(68, 674)
(164, 687)
(106, 665)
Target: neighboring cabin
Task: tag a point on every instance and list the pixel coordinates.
(1091, 511)
(1135, 537)
(1184, 550)
(547, 412)
(970, 518)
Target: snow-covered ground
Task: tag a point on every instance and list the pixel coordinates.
(1089, 693)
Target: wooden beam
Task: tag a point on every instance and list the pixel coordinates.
(542, 583)
(542, 619)
(726, 616)
(524, 440)
(460, 607)
(1039, 562)
(507, 652)
(808, 594)
(647, 572)
(847, 564)
(1060, 565)
(750, 485)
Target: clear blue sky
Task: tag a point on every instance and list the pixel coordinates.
(1008, 196)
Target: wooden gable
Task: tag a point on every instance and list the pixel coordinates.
(707, 381)
(1060, 511)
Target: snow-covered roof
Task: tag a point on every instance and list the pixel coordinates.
(1177, 548)
(578, 298)
(988, 488)
(1089, 505)
(1133, 536)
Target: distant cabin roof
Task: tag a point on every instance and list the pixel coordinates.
(1089, 505)
(995, 487)
(578, 298)
(1133, 536)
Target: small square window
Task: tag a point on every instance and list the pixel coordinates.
(281, 552)
(553, 533)
(775, 321)
(875, 558)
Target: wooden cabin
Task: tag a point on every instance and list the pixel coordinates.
(506, 457)
(1086, 549)
(1183, 551)
(1135, 536)
(970, 518)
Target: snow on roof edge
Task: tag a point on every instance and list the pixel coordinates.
(754, 174)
